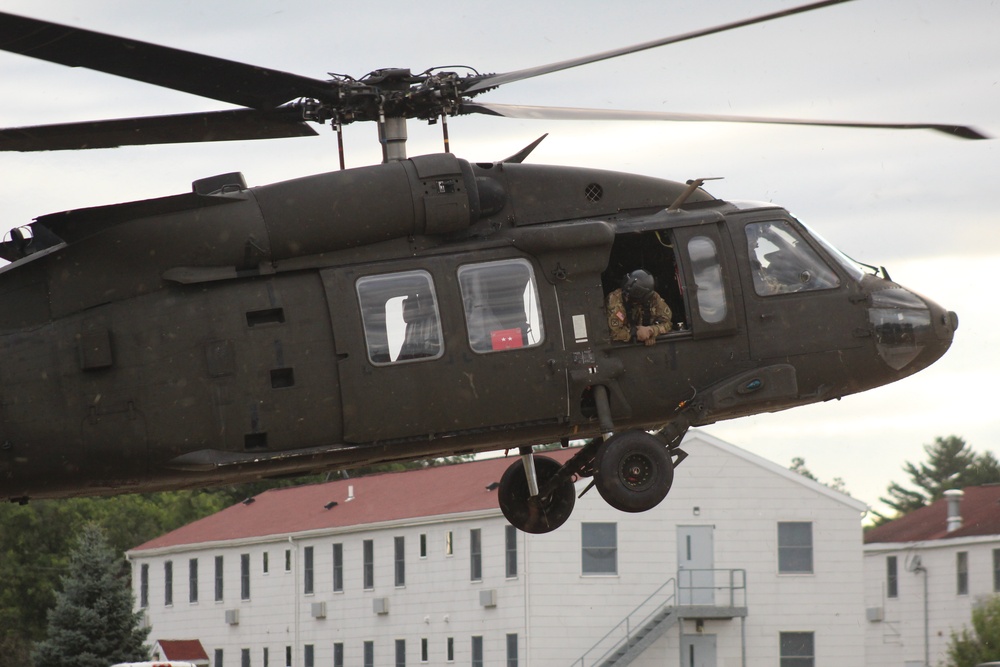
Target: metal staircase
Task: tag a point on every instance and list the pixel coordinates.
(661, 611)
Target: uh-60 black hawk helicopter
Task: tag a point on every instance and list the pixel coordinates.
(417, 308)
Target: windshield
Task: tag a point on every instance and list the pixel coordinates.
(853, 268)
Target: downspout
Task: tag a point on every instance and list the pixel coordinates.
(927, 632)
(298, 605)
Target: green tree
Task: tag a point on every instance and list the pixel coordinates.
(980, 644)
(799, 466)
(951, 464)
(92, 623)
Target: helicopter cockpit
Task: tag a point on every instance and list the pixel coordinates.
(783, 263)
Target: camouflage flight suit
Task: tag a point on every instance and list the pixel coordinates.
(623, 319)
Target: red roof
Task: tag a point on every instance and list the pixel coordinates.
(980, 512)
(189, 650)
(386, 497)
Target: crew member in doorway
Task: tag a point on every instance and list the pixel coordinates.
(636, 313)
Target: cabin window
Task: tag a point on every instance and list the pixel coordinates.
(501, 305)
(400, 316)
(783, 263)
(710, 293)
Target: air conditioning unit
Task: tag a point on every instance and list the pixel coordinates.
(875, 614)
(380, 605)
(232, 616)
(488, 598)
(319, 610)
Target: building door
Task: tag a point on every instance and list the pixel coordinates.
(695, 563)
(698, 651)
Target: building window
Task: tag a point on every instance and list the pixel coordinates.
(476, 554)
(797, 649)
(599, 548)
(307, 570)
(218, 579)
(245, 657)
(510, 551)
(449, 544)
(962, 573)
(368, 564)
(399, 558)
(144, 585)
(267, 657)
(512, 650)
(449, 651)
(795, 547)
(400, 653)
(424, 650)
(193, 580)
(288, 656)
(244, 576)
(891, 577)
(308, 656)
(288, 560)
(168, 583)
(264, 563)
(477, 652)
(423, 545)
(218, 657)
(338, 567)
(338, 654)
(996, 570)
(369, 654)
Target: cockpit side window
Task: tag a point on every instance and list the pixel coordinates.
(783, 263)
(501, 305)
(400, 316)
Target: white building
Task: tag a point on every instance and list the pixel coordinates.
(744, 563)
(924, 573)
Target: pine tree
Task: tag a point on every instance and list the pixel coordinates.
(951, 464)
(92, 623)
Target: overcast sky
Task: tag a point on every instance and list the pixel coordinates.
(920, 203)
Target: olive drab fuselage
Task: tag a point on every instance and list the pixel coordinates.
(420, 308)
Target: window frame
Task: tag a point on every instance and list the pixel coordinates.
(193, 580)
(791, 659)
(961, 573)
(244, 576)
(399, 561)
(790, 551)
(593, 553)
(383, 325)
(338, 567)
(219, 579)
(308, 570)
(481, 338)
(475, 554)
(510, 552)
(368, 564)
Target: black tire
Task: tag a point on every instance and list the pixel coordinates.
(535, 515)
(634, 471)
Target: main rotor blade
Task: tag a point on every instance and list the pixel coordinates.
(235, 125)
(491, 81)
(207, 76)
(572, 113)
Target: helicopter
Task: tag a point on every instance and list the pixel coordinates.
(423, 307)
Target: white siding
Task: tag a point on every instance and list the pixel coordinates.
(556, 612)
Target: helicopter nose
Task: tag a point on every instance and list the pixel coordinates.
(911, 332)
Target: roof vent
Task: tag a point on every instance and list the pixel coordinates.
(350, 493)
(954, 498)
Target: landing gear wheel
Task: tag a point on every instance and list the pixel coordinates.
(634, 471)
(539, 514)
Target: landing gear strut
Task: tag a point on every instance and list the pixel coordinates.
(632, 470)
